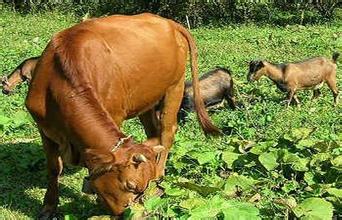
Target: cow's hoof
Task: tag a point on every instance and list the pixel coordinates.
(49, 215)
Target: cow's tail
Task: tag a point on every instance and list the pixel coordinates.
(203, 117)
(335, 56)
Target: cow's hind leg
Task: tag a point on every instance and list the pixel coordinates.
(54, 166)
(151, 123)
(172, 102)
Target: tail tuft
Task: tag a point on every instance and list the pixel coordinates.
(335, 56)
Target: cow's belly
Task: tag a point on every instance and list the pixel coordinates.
(139, 92)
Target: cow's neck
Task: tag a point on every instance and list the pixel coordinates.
(91, 123)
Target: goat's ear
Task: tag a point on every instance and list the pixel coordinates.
(261, 64)
(96, 157)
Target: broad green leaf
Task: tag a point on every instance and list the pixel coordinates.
(154, 203)
(301, 164)
(70, 217)
(289, 202)
(314, 208)
(203, 157)
(269, 160)
(305, 143)
(135, 211)
(319, 158)
(4, 120)
(229, 158)
(309, 178)
(321, 146)
(210, 209)
(170, 213)
(181, 149)
(335, 192)
(175, 192)
(20, 118)
(261, 147)
(241, 211)
(236, 182)
(192, 203)
(151, 191)
(203, 190)
(297, 163)
(337, 162)
(290, 186)
(298, 134)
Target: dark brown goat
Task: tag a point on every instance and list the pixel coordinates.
(22, 73)
(290, 77)
(215, 86)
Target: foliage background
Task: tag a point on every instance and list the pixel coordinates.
(218, 12)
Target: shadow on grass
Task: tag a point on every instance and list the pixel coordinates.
(23, 181)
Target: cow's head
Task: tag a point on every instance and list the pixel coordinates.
(119, 176)
(256, 70)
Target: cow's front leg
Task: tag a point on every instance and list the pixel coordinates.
(172, 102)
(55, 167)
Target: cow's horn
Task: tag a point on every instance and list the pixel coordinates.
(139, 158)
(158, 148)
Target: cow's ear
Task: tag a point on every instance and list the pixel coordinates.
(96, 157)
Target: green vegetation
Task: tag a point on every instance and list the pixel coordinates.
(274, 162)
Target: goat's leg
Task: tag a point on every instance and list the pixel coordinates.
(229, 96)
(332, 85)
(55, 167)
(295, 98)
(290, 95)
(316, 93)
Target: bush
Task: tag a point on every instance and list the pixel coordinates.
(278, 12)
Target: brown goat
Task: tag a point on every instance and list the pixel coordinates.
(290, 77)
(215, 86)
(22, 73)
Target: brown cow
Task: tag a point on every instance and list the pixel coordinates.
(93, 76)
(22, 73)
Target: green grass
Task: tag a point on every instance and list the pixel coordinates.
(297, 155)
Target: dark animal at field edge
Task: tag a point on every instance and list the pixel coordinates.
(304, 75)
(215, 86)
(93, 76)
(23, 72)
